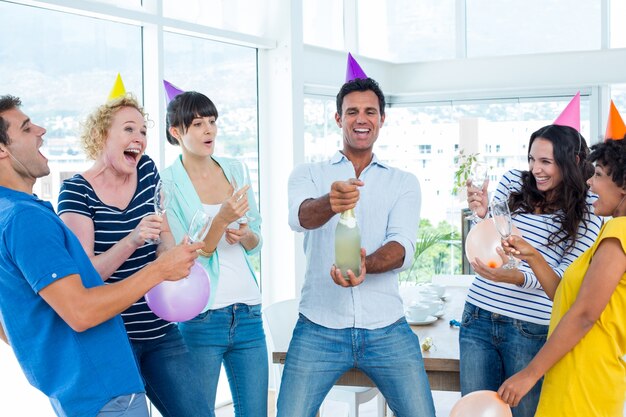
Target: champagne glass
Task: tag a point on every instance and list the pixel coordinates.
(160, 200)
(199, 226)
(235, 167)
(478, 176)
(501, 215)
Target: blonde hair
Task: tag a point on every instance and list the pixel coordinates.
(95, 129)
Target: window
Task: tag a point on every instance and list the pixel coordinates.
(62, 66)
(512, 27)
(424, 149)
(227, 75)
(322, 137)
(618, 95)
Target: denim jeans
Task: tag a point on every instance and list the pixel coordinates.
(390, 356)
(233, 336)
(493, 348)
(171, 378)
(133, 405)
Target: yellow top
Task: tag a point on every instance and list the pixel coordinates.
(590, 380)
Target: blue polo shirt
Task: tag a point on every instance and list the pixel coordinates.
(79, 372)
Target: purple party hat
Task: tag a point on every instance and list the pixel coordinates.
(171, 91)
(353, 70)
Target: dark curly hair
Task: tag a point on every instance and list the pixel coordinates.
(361, 84)
(568, 201)
(184, 108)
(611, 155)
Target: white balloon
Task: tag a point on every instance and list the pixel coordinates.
(481, 243)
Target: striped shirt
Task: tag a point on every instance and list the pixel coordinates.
(111, 225)
(529, 302)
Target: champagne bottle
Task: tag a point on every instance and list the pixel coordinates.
(348, 244)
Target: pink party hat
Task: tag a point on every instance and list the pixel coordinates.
(571, 115)
(171, 91)
(615, 128)
(353, 70)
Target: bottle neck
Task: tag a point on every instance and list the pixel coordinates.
(348, 214)
(348, 218)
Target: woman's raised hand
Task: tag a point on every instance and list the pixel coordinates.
(519, 248)
(149, 228)
(236, 206)
(477, 198)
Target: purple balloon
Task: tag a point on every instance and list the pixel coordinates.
(181, 300)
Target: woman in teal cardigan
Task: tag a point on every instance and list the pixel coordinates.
(229, 331)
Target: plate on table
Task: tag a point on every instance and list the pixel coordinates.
(427, 320)
(440, 313)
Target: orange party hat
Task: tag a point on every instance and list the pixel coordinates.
(615, 128)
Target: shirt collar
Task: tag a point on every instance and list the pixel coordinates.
(338, 157)
(20, 195)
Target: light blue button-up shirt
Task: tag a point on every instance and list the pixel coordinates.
(388, 210)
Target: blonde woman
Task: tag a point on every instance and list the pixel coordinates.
(110, 207)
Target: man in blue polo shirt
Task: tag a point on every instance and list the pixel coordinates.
(60, 319)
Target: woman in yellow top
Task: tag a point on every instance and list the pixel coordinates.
(582, 359)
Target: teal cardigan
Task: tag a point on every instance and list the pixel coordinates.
(184, 202)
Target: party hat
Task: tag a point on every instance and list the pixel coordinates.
(615, 128)
(571, 115)
(118, 89)
(353, 70)
(171, 91)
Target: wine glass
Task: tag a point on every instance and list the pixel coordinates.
(235, 167)
(477, 177)
(199, 226)
(501, 216)
(160, 200)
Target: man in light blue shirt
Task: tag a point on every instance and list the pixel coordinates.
(357, 322)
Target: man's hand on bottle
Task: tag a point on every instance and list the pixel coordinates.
(344, 194)
(352, 280)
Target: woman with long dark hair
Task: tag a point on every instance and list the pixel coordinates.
(507, 311)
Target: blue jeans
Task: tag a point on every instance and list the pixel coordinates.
(172, 381)
(133, 405)
(390, 356)
(233, 336)
(493, 348)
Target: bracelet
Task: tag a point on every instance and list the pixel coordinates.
(205, 254)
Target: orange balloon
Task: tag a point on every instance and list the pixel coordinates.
(481, 404)
(481, 242)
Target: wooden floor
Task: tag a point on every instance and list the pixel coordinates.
(443, 404)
